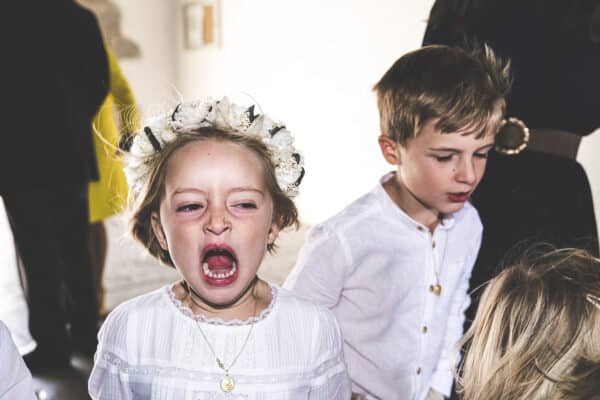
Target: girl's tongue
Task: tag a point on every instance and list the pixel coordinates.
(219, 261)
(219, 265)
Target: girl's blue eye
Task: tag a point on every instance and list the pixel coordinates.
(189, 208)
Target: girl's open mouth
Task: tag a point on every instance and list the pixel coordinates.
(219, 264)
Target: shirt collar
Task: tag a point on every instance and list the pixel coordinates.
(388, 204)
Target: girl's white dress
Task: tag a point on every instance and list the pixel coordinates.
(151, 347)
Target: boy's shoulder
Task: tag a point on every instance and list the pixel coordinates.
(292, 302)
(365, 208)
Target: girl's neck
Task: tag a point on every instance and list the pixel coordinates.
(411, 204)
(252, 302)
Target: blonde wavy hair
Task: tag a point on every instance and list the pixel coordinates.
(536, 334)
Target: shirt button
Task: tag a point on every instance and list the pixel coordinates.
(424, 329)
(433, 244)
(419, 371)
(421, 229)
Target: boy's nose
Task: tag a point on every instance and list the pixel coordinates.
(466, 173)
(217, 223)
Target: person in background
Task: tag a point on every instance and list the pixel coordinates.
(534, 191)
(55, 78)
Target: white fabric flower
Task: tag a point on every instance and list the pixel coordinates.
(261, 126)
(141, 146)
(282, 139)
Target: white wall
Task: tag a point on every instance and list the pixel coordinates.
(151, 24)
(588, 157)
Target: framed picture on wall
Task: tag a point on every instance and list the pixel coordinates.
(201, 24)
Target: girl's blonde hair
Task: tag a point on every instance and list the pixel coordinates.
(536, 334)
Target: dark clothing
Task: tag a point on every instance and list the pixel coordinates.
(49, 228)
(532, 196)
(527, 198)
(555, 64)
(56, 77)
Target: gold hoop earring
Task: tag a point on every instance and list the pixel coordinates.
(512, 137)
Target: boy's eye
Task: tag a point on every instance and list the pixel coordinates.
(189, 207)
(443, 158)
(481, 155)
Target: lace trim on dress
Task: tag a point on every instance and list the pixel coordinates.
(329, 368)
(185, 310)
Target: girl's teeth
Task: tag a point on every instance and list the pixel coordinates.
(218, 275)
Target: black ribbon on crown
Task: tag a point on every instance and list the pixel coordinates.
(297, 158)
(276, 129)
(175, 112)
(250, 113)
(155, 143)
(299, 180)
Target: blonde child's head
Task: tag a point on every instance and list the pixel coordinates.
(536, 334)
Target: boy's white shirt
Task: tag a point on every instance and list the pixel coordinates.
(372, 265)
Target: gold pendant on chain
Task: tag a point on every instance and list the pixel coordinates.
(227, 383)
(436, 289)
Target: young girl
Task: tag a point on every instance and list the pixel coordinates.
(536, 334)
(212, 184)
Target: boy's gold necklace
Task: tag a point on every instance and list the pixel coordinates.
(227, 383)
(437, 287)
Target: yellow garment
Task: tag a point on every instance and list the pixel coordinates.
(108, 195)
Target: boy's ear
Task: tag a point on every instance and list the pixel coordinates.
(158, 231)
(389, 149)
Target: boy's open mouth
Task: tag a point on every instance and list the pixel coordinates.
(459, 197)
(219, 262)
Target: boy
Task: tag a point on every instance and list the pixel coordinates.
(394, 266)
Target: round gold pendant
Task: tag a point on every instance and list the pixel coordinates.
(436, 289)
(227, 384)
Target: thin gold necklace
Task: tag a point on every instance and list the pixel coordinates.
(227, 383)
(437, 267)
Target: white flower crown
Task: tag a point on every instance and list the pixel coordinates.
(221, 114)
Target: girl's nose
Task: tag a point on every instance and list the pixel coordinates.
(217, 223)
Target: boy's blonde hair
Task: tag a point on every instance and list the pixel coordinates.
(462, 88)
(148, 199)
(536, 334)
